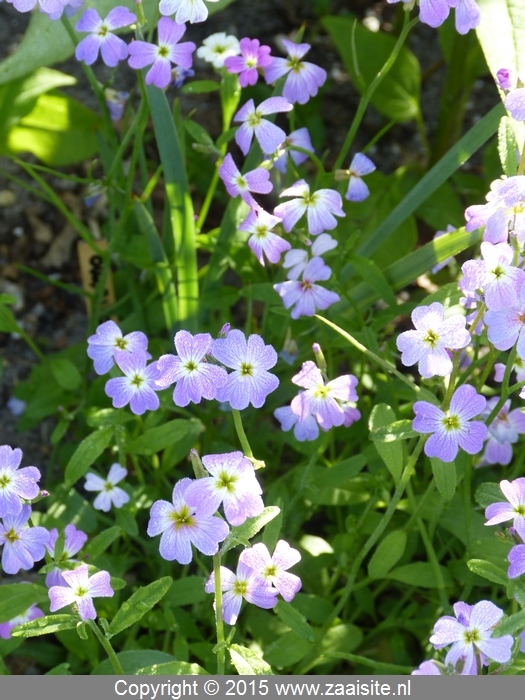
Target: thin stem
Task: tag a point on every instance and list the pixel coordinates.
(107, 647)
(219, 624)
(208, 199)
(237, 420)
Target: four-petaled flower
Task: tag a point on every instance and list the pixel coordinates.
(138, 386)
(511, 509)
(321, 207)
(182, 525)
(194, 377)
(110, 494)
(232, 483)
(108, 339)
(428, 344)
(74, 540)
(506, 326)
(250, 382)
(22, 545)
(185, 10)
(267, 134)
(257, 180)
(301, 138)
(305, 295)
(253, 56)
(263, 241)
(217, 47)
(100, 38)
(496, 274)
(81, 590)
(274, 569)
(15, 483)
(361, 165)
(470, 634)
(504, 431)
(304, 78)
(454, 428)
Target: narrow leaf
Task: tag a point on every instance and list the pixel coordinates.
(86, 453)
(139, 604)
(45, 625)
(157, 439)
(512, 625)
(247, 662)
(488, 570)
(250, 528)
(390, 452)
(387, 554)
(293, 619)
(445, 476)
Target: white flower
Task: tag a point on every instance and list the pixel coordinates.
(110, 493)
(218, 47)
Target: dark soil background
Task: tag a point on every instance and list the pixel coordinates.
(35, 235)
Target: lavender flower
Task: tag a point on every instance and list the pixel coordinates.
(232, 483)
(503, 432)
(73, 542)
(432, 12)
(250, 382)
(22, 545)
(101, 38)
(247, 584)
(257, 180)
(274, 569)
(357, 190)
(30, 614)
(496, 274)
(470, 633)
(182, 525)
(427, 668)
(454, 428)
(304, 79)
(321, 208)
(299, 137)
(468, 15)
(110, 494)
(515, 104)
(179, 75)
(428, 344)
(306, 296)
(185, 10)
(138, 387)
(194, 378)
(168, 51)
(517, 561)
(267, 134)
(52, 8)
(217, 48)
(305, 429)
(81, 589)
(108, 339)
(511, 509)
(506, 326)
(116, 101)
(263, 241)
(253, 56)
(504, 78)
(15, 483)
(296, 260)
(503, 212)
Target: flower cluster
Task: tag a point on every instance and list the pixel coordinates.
(435, 12)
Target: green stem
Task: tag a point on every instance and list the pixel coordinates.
(237, 420)
(521, 166)
(219, 624)
(363, 104)
(119, 671)
(208, 199)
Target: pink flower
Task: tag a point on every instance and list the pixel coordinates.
(253, 56)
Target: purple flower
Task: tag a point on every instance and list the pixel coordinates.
(427, 668)
(428, 344)
(306, 296)
(301, 138)
(357, 190)
(247, 584)
(253, 56)
(70, 8)
(181, 526)
(274, 569)
(296, 259)
(138, 387)
(73, 542)
(432, 12)
(194, 377)
(101, 38)
(179, 75)
(22, 545)
(267, 134)
(496, 274)
(321, 208)
(503, 212)
(506, 325)
(110, 494)
(81, 589)
(187, 10)
(518, 367)
(53, 8)
(236, 183)
(517, 561)
(454, 428)
(515, 103)
(232, 483)
(168, 51)
(31, 614)
(116, 101)
(250, 382)
(504, 78)
(304, 79)
(15, 483)
(263, 241)
(108, 339)
(503, 432)
(511, 509)
(468, 15)
(306, 429)
(322, 400)
(470, 633)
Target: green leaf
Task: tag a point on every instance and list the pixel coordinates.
(16, 598)
(172, 668)
(508, 148)
(397, 97)
(370, 272)
(126, 520)
(200, 86)
(387, 554)
(488, 570)
(132, 661)
(65, 372)
(420, 574)
(390, 452)
(60, 670)
(512, 625)
(273, 529)
(139, 604)
(398, 430)
(242, 533)
(287, 650)
(8, 322)
(294, 620)
(199, 134)
(340, 473)
(45, 625)
(187, 590)
(247, 662)
(86, 453)
(156, 439)
(445, 476)
(101, 542)
(488, 493)
(452, 161)
(341, 638)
